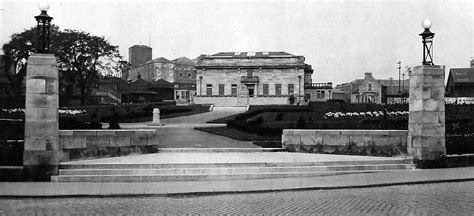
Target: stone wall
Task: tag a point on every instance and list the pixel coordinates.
(360, 142)
(81, 144)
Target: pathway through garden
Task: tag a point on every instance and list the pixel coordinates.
(179, 132)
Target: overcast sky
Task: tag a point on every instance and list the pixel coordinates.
(341, 39)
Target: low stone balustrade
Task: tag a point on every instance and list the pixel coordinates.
(81, 144)
(359, 142)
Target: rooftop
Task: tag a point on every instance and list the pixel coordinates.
(461, 75)
(252, 54)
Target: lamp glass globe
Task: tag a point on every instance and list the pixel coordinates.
(43, 5)
(426, 24)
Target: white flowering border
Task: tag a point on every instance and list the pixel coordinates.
(338, 115)
(61, 112)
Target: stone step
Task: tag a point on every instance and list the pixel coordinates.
(196, 177)
(76, 165)
(233, 170)
(212, 150)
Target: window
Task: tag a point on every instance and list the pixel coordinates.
(234, 89)
(221, 89)
(209, 89)
(277, 89)
(320, 94)
(251, 91)
(369, 87)
(265, 89)
(291, 89)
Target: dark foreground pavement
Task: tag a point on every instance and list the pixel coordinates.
(455, 198)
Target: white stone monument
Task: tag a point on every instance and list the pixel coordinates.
(156, 118)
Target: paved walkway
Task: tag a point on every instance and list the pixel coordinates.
(179, 132)
(32, 189)
(454, 198)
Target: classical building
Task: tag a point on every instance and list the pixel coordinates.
(371, 90)
(461, 82)
(250, 78)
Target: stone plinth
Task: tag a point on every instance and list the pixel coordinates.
(156, 118)
(426, 124)
(41, 153)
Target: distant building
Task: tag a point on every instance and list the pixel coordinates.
(114, 90)
(461, 82)
(251, 78)
(318, 92)
(139, 54)
(371, 90)
(179, 72)
(394, 91)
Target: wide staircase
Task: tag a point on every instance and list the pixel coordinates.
(224, 166)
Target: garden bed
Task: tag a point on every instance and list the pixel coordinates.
(267, 122)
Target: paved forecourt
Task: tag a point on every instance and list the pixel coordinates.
(230, 157)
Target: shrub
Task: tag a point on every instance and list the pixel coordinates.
(291, 99)
(279, 116)
(259, 120)
(301, 123)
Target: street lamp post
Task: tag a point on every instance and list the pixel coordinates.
(299, 88)
(399, 66)
(427, 37)
(43, 29)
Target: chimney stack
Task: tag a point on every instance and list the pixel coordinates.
(368, 75)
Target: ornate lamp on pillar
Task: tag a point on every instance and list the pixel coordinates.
(426, 123)
(427, 36)
(42, 154)
(43, 32)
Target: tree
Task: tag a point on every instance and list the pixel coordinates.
(292, 99)
(16, 53)
(81, 56)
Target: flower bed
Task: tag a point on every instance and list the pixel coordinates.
(364, 115)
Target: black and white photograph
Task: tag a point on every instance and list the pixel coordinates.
(236, 107)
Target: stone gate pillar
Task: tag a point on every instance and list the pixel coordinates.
(426, 124)
(41, 154)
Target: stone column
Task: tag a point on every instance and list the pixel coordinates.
(426, 124)
(41, 154)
